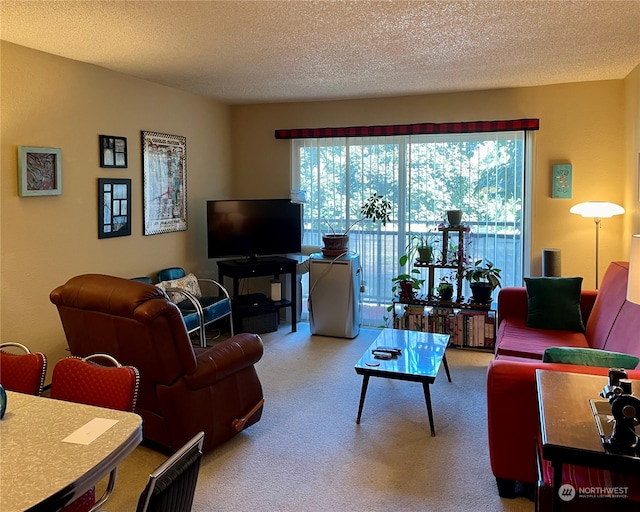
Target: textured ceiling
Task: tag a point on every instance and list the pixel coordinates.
(268, 51)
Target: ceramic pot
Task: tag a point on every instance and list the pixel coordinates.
(425, 254)
(445, 293)
(334, 245)
(406, 290)
(454, 217)
(481, 293)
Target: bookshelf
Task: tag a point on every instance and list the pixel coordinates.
(470, 326)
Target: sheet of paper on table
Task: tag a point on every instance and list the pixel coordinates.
(90, 431)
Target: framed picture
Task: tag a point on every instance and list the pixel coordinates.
(164, 168)
(39, 171)
(113, 151)
(561, 184)
(114, 207)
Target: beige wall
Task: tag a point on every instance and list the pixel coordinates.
(582, 124)
(54, 102)
(632, 152)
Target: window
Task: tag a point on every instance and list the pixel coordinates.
(423, 175)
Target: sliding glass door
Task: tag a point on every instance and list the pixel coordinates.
(482, 174)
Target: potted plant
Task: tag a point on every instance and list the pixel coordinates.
(376, 208)
(483, 279)
(406, 285)
(421, 246)
(444, 290)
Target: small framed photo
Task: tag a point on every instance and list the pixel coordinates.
(113, 151)
(114, 207)
(39, 171)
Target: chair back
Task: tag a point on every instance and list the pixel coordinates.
(23, 373)
(169, 274)
(143, 279)
(172, 485)
(132, 321)
(83, 381)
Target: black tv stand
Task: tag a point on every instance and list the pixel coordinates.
(252, 260)
(271, 265)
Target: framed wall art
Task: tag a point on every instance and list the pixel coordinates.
(113, 151)
(164, 168)
(114, 207)
(39, 171)
(561, 184)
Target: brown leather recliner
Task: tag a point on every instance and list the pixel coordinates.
(183, 389)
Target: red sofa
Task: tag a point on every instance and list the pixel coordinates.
(611, 323)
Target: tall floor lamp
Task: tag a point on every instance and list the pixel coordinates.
(597, 210)
(633, 285)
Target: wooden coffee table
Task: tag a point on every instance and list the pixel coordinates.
(419, 361)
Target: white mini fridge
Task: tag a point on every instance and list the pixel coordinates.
(334, 295)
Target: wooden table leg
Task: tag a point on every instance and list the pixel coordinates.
(365, 383)
(557, 483)
(427, 397)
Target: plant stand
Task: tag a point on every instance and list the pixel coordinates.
(469, 325)
(447, 233)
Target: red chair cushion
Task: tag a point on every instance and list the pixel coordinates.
(23, 373)
(76, 380)
(83, 503)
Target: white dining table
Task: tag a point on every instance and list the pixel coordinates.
(52, 451)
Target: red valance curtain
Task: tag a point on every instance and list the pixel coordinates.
(410, 129)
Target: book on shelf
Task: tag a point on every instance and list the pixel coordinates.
(410, 322)
(474, 329)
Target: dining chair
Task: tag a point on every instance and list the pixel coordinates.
(84, 381)
(199, 308)
(171, 486)
(24, 372)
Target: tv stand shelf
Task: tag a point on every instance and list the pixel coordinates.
(268, 266)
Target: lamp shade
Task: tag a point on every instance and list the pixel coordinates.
(633, 285)
(597, 209)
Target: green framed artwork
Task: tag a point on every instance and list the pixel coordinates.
(561, 181)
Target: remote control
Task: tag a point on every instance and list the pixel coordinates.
(391, 350)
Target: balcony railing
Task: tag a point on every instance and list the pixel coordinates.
(379, 256)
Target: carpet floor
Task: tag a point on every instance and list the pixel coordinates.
(308, 454)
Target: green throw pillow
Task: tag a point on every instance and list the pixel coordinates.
(590, 357)
(554, 303)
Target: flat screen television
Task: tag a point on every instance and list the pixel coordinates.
(253, 227)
